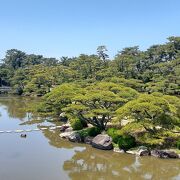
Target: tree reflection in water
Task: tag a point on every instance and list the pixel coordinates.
(97, 164)
(90, 163)
(56, 141)
(16, 106)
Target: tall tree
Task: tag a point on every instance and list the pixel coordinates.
(101, 51)
(14, 58)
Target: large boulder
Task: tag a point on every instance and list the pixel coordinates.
(102, 141)
(164, 154)
(75, 137)
(65, 135)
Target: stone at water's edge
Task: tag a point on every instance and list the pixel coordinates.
(134, 152)
(63, 128)
(65, 134)
(116, 149)
(140, 151)
(88, 140)
(103, 142)
(164, 154)
(75, 137)
(69, 129)
(143, 151)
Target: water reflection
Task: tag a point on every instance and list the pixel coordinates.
(91, 163)
(56, 158)
(56, 141)
(16, 106)
(97, 164)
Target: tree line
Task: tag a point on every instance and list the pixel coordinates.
(155, 70)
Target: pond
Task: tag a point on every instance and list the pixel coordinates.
(42, 155)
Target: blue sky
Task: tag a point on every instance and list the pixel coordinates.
(56, 28)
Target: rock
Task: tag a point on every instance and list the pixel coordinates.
(69, 129)
(103, 142)
(132, 152)
(67, 124)
(164, 154)
(116, 149)
(88, 140)
(63, 128)
(75, 137)
(65, 134)
(142, 148)
(143, 151)
(140, 151)
(172, 154)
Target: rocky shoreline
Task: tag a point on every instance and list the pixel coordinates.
(104, 142)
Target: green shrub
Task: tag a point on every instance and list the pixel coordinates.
(111, 131)
(114, 135)
(115, 138)
(93, 131)
(83, 133)
(76, 124)
(126, 142)
(178, 144)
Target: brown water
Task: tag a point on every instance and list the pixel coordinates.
(44, 156)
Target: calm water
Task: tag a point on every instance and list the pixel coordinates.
(44, 156)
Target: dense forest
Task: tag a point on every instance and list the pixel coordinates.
(155, 70)
(139, 86)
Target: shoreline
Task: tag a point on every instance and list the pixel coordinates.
(73, 137)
